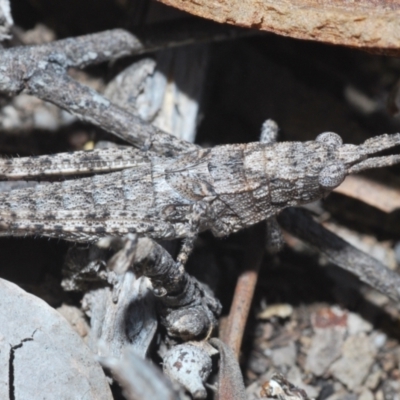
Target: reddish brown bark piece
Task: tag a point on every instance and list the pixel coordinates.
(232, 332)
(373, 193)
(371, 24)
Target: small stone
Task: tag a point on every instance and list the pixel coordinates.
(278, 387)
(294, 376)
(356, 324)
(76, 319)
(330, 325)
(366, 395)
(373, 380)
(343, 396)
(352, 368)
(379, 340)
(391, 390)
(284, 356)
(376, 298)
(388, 362)
(276, 310)
(395, 374)
(190, 366)
(379, 395)
(258, 363)
(397, 252)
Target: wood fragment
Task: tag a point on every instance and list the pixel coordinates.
(278, 387)
(120, 305)
(300, 223)
(138, 378)
(233, 331)
(370, 192)
(47, 77)
(364, 24)
(230, 381)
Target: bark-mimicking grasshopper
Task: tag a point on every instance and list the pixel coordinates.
(224, 189)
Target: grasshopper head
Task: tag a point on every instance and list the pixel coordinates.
(307, 171)
(349, 158)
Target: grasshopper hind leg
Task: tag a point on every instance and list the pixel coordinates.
(81, 226)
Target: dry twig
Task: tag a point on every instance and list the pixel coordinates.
(233, 331)
(42, 71)
(370, 192)
(301, 224)
(139, 378)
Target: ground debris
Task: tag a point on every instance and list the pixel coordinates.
(330, 326)
(6, 20)
(280, 388)
(39, 340)
(352, 368)
(139, 379)
(190, 365)
(120, 306)
(187, 307)
(332, 352)
(314, 325)
(76, 319)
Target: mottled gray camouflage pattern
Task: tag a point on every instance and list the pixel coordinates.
(225, 189)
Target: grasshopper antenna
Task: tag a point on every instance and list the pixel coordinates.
(375, 145)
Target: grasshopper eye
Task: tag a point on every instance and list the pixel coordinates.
(331, 139)
(332, 175)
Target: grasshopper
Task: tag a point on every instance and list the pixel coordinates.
(224, 189)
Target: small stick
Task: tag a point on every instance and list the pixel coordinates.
(375, 194)
(42, 71)
(186, 31)
(300, 223)
(139, 379)
(233, 331)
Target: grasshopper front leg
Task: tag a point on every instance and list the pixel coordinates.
(275, 241)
